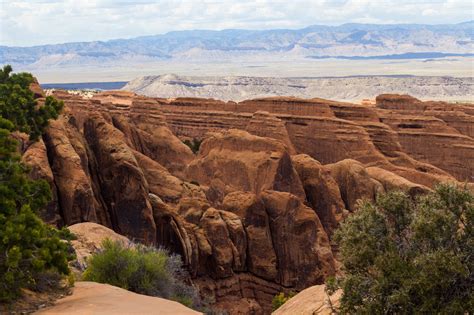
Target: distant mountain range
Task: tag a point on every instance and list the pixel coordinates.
(395, 41)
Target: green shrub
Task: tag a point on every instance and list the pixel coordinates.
(194, 145)
(280, 299)
(65, 234)
(31, 253)
(141, 269)
(404, 256)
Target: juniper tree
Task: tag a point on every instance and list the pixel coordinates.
(405, 256)
(28, 247)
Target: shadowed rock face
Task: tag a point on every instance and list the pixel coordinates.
(75, 194)
(322, 191)
(252, 213)
(123, 186)
(261, 259)
(301, 243)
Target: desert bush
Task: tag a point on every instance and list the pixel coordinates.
(194, 145)
(66, 234)
(405, 256)
(31, 252)
(141, 269)
(280, 299)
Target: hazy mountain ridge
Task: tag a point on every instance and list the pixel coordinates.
(350, 40)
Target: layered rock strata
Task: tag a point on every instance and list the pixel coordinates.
(251, 213)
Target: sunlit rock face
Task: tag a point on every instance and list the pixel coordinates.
(251, 212)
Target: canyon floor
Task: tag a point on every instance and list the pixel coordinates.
(253, 209)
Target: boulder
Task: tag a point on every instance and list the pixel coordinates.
(310, 301)
(173, 233)
(223, 250)
(89, 241)
(239, 240)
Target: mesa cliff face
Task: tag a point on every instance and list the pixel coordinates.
(252, 213)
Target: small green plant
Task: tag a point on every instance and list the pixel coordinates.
(141, 269)
(194, 145)
(280, 299)
(71, 279)
(65, 234)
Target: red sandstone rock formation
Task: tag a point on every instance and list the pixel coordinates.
(264, 124)
(313, 300)
(261, 258)
(322, 191)
(75, 194)
(238, 161)
(332, 131)
(432, 133)
(300, 241)
(354, 182)
(36, 156)
(123, 186)
(252, 213)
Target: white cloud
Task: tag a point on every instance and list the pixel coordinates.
(430, 12)
(32, 22)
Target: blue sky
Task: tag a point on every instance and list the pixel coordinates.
(34, 22)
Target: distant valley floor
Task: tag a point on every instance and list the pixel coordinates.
(449, 79)
(127, 70)
(352, 88)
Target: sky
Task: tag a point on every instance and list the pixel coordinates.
(37, 22)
